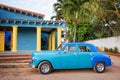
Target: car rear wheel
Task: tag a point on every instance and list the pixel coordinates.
(99, 67)
(45, 67)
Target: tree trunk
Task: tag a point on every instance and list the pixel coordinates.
(74, 39)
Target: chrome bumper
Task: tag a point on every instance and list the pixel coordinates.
(31, 64)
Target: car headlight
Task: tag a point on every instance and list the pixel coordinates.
(33, 58)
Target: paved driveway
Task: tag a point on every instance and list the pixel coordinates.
(112, 73)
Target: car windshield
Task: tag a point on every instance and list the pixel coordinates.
(60, 47)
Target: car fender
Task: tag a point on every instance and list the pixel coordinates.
(101, 58)
(54, 61)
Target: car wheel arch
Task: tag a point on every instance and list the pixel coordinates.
(94, 61)
(98, 62)
(43, 61)
(103, 59)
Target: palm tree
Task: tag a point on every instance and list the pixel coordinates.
(70, 10)
(58, 7)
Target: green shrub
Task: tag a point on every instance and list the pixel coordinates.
(106, 49)
(116, 50)
(111, 50)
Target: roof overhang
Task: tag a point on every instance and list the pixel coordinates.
(32, 23)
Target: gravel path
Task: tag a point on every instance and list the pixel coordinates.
(112, 73)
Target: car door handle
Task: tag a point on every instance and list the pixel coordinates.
(75, 53)
(91, 54)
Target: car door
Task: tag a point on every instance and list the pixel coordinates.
(84, 56)
(69, 57)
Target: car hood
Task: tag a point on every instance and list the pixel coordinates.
(45, 52)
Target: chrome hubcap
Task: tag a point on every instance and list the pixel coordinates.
(100, 67)
(45, 68)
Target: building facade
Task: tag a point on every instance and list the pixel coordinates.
(25, 30)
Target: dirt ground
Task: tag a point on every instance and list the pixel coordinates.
(112, 73)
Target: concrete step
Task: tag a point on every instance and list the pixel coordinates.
(15, 58)
(15, 55)
(15, 61)
(14, 65)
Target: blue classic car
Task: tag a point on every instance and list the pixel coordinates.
(73, 55)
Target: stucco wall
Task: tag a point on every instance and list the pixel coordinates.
(26, 38)
(110, 42)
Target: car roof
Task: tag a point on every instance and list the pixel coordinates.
(83, 44)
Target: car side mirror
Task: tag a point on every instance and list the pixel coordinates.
(64, 51)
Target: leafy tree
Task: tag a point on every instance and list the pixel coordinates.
(89, 19)
(58, 7)
(109, 15)
(111, 6)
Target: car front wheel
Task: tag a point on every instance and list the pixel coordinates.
(99, 67)
(45, 67)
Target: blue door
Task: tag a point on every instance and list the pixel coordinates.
(84, 54)
(69, 57)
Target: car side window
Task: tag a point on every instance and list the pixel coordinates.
(69, 49)
(84, 49)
